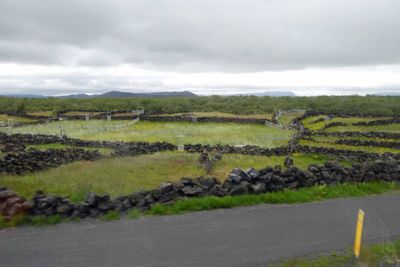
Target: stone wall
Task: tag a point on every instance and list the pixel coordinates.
(356, 142)
(283, 151)
(353, 155)
(238, 182)
(246, 150)
(202, 119)
(120, 148)
(357, 134)
(377, 122)
(31, 160)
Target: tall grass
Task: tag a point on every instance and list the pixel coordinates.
(125, 175)
(382, 254)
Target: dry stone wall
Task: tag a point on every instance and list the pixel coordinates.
(238, 182)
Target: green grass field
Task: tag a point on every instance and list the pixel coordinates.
(42, 113)
(332, 139)
(204, 133)
(372, 149)
(287, 118)
(5, 118)
(222, 114)
(124, 175)
(319, 125)
(390, 128)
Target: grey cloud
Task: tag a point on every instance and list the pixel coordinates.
(204, 35)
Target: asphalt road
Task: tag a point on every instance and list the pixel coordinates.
(246, 236)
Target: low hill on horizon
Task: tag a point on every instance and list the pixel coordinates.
(120, 94)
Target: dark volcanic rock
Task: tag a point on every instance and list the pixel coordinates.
(237, 175)
(239, 189)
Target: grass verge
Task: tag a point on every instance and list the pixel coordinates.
(386, 254)
(39, 220)
(315, 193)
(111, 216)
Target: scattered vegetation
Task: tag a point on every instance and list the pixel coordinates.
(384, 254)
(209, 159)
(111, 216)
(134, 214)
(21, 219)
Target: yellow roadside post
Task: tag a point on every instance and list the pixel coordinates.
(359, 229)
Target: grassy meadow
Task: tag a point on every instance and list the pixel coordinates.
(223, 114)
(371, 149)
(308, 122)
(287, 118)
(124, 175)
(173, 132)
(5, 118)
(390, 128)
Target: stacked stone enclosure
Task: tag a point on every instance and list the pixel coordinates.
(365, 166)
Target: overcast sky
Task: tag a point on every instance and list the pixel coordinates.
(308, 47)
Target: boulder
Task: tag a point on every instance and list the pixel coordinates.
(190, 191)
(166, 188)
(258, 188)
(92, 199)
(238, 175)
(94, 213)
(65, 208)
(83, 208)
(207, 182)
(239, 189)
(217, 190)
(253, 173)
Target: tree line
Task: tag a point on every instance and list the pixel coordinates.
(379, 105)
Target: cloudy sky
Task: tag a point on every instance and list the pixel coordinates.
(308, 47)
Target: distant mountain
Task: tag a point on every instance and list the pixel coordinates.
(119, 94)
(75, 96)
(388, 94)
